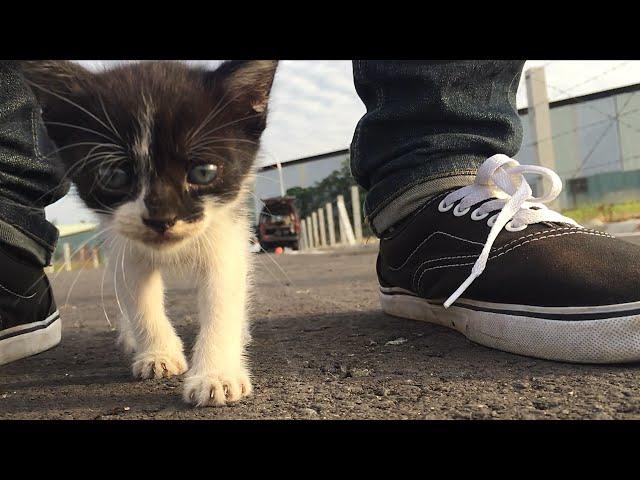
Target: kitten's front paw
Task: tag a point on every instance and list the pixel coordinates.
(217, 388)
(159, 364)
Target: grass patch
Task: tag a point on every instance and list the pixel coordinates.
(607, 213)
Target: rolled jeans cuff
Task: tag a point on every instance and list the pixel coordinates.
(397, 196)
(14, 234)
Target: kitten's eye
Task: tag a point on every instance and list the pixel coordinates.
(203, 174)
(113, 178)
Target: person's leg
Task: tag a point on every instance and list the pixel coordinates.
(463, 241)
(428, 126)
(29, 180)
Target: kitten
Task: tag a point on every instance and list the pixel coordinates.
(163, 153)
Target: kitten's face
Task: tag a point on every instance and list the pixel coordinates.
(156, 147)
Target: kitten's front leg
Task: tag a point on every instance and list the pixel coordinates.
(126, 340)
(159, 351)
(219, 373)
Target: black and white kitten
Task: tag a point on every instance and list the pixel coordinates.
(163, 153)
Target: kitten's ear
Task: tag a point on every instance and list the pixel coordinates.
(52, 79)
(248, 81)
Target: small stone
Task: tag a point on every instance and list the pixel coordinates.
(309, 412)
(397, 341)
(602, 416)
(359, 372)
(382, 391)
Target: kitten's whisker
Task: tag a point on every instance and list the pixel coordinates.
(84, 161)
(115, 280)
(72, 103)
(266, 267)
(217, 140)
(85, 129)
(124, 277)
(71, 256)
(67, 175)
(190, 135)
(104, 309)
(104, 110)
(210, 117)
(277, 265)
(80, 144)
(62, 269)
(233, 122)
(66, 301)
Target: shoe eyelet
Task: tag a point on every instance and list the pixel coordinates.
(509, 227)
(442, 207)
(476, 216)
(459, 213)
(492, 220)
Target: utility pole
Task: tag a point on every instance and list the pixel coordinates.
(540, 121)
(282, 190)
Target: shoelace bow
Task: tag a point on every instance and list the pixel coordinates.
(501, 178)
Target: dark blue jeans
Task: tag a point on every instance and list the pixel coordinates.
(428, 126)
(29, 178)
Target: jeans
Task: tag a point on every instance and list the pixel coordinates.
(29, 178)
(428, 126)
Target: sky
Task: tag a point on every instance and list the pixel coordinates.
(314, 107)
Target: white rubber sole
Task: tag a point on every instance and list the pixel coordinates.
(29, 339)
(604, 334)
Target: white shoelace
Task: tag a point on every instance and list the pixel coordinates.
(502, 178)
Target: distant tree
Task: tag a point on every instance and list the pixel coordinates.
(338, 182)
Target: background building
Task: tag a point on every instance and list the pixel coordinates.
(81, 240)
(596, 140)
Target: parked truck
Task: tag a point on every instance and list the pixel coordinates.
(279, 224)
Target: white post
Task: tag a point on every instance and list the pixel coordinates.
(304, 244)
(323, 230)
(316, 234)
(66, 248)
(95, 257)
(343, 238)
(332, 232)
(312, 241)
(344, 219)
(355, 206)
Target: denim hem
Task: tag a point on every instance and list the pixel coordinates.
(13, 237)
(413, 197)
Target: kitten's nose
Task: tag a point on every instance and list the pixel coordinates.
(160, 225)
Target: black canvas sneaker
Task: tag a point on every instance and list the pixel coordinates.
(493, 262)
(29, 320)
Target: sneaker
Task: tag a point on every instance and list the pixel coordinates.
(29, 320)
(493, 262)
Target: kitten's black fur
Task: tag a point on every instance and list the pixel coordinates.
(163, 152)
(169, 99)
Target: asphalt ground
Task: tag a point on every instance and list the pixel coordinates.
(322, 349)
